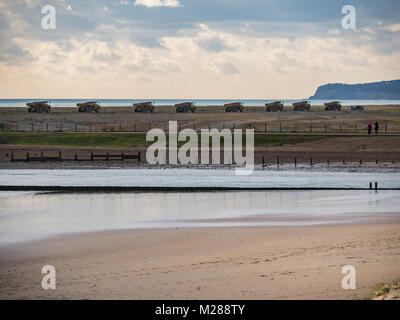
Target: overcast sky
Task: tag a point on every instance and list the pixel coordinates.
(249, 49)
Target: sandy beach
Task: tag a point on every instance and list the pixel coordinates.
(205, 263)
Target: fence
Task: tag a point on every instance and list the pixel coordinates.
(343, 127)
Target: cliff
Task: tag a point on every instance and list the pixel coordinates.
(366, 91)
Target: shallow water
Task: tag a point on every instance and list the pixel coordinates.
(200, 178)
(24, 216)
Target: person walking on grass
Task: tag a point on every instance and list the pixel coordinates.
(369, 128)
(376, 128)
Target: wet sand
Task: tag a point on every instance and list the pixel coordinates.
(205, 263)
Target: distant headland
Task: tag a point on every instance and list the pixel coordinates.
(366, 91)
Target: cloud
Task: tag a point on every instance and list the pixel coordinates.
(392, 27)
(158, 3)
(213, 44)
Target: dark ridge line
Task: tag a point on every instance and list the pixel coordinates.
(169, 189)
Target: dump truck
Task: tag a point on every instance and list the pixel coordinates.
(274, 106)
(144, 107)
(234, 107)
(185, 107)
(90, 106)
(333, 106)
(301, 106)
(39, 106)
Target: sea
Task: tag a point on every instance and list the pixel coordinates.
(197, 102)
(30, 215)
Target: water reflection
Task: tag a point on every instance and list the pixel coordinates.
(24, 216)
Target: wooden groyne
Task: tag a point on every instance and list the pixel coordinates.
(107, 189)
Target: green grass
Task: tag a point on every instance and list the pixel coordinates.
(123, 140)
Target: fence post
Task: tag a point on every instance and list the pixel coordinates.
(280, 127)
(17, 127)
(32, 127)
(90, 126)
(355, 127)
(340, 127)
(310, 128)
(76, 127)
(385, 128)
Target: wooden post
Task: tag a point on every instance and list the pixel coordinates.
(385, 128)
(12, 156)
(76, 157)
(120, 127)
(76, 127)
(91, 156)
(311, 162)
(263, 161)
(90, 127)
(280, 127)
(277, 159)
(122, 156)
(17, 127)
(27, 157)
(376, 186)
(340, 127)
(360, 161)
(355, 127)
(328, 162)
(325, 129)
(61, 128)
(295, 162)
(32, 127)
(47, 127)
(265, 127)
(139, 156)
(41, 156)
(344, 161)
(295, 127)
(107, 156)
(105, 126)
(60, 155)
(310, 128)
(370, 186)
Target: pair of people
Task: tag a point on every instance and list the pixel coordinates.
(369, 128)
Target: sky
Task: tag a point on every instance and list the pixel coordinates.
(199, 49)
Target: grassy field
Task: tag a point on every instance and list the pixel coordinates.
(124, 140)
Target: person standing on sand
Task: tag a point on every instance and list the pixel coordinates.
(369, 128)
(376, 128)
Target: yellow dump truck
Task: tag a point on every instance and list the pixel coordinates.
(185, 107)
(90, 106)
(333, 106)
(234, 107)
(274, 106)
(39, 106)
(301, 106)
(144, 107)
